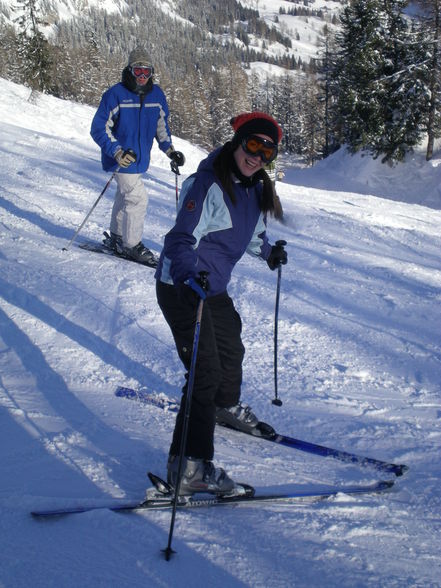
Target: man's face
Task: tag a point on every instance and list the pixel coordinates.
(142, 73)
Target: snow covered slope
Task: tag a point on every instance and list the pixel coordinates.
(359, 369)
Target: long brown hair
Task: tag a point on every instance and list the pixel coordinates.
(224, 165)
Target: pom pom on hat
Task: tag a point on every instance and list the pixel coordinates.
(252, 123)
(139, 56)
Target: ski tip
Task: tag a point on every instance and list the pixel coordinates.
(397, 469)
(385, 484)
(401, 469)
(123, 392)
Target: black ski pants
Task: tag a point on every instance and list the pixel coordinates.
(218, 373)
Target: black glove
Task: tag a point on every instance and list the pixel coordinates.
(278, 255)
(177, 157)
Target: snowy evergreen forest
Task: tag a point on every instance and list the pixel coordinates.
(373, 85)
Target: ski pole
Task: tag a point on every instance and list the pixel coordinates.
(91, 210)
(276, 400)
(191, 375)
(175, 169)
(177, 193)
(97, 200)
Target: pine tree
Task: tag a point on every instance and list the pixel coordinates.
(313, 122)
(430, 19)
(220, 108)
(8, 51)
(326, 94)
(201, 128)
(285, 109)
(34, 53)
(382, 96)
(357, 70)
(402, 90)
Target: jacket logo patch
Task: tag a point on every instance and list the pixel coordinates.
(190, 206)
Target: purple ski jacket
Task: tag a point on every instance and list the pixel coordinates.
(211, 233)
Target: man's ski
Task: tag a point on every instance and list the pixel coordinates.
(165, 501)
(96, 247)
(165, 403)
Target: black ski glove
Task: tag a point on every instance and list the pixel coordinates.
(278, 255)
(177, 159)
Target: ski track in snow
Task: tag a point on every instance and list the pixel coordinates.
(359, 369)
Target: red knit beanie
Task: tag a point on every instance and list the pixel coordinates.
(252, 123)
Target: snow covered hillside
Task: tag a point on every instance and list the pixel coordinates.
(359, 370)
(303, 30)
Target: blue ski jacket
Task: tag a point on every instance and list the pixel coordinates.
(125, 120)
(211, 233)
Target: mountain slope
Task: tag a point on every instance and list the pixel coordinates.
(359, 369)
(303, 30)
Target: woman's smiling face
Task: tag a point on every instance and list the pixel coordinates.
(249, 164)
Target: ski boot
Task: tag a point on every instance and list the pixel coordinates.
(139, 253)
(162, 493)
(112, 241)
(198, 475)
(241, 418)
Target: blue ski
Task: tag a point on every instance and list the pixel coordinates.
(161, 401)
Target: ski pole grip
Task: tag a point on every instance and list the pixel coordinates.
(175, 168)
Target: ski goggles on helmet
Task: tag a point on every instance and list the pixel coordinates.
(254, 145)
(142, 71)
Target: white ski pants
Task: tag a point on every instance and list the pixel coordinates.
(129, 208)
